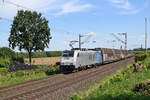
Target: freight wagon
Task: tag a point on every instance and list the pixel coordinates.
(74, 60)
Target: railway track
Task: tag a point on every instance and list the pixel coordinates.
(47, 88)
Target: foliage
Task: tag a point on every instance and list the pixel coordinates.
(4, 62)
(141, 56)
(143, 86)
(6, 53)
(29, 31)
(20, 73)
(48, 70)
(146, 62)
(22, 76)
(53, 70)
(54, 53)
(19, 59)
(3, 70)
(76, 97)
(41, 54)
(7, 56)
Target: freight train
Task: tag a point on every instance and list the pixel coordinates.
(74, 60)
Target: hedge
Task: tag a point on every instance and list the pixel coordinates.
(4, 62)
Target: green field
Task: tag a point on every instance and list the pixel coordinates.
(23, 76)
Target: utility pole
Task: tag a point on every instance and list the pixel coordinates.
(80, 41)
(125, 40)
(146, 34)
(141, 46)
(86, 40)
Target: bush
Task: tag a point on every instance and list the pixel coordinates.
(54, 54)
(48, 70)
(4, 62)
(6, 53)
(38, 54)
(20, 73)
(143, 87)
(141, 56)
(7, 56)
(19, 59)
(121, 75)
(41, 54)
(3, 70)
(76, 97)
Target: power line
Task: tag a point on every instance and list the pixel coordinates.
(15, 4)
(124, 42)
(2, 18)
(20, 6)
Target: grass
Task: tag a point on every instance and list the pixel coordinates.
(13, 79)
(118, 86)
(23, 76)
(44, 61)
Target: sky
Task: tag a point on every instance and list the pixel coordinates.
(95, 19)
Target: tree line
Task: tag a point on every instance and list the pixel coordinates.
(7, 56)
(41, 54)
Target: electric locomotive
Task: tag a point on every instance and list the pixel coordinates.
(73, 60)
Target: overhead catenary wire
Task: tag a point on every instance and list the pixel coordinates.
(27, 8)
(20, 6)
(2, 18)
(15, 4)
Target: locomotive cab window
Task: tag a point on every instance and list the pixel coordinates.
(68, 54)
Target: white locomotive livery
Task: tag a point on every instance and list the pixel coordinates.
(81, 59)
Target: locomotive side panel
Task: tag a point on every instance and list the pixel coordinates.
(86, 58)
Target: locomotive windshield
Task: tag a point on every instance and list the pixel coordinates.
(68, 54)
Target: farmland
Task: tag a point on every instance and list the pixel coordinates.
(44, 61)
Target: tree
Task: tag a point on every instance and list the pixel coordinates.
(29, 31)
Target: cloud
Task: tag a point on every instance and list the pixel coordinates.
(91, 34)
(126, 8)
(73, 6)
(130, 12)
(49, 7)
(123, 4)
(10, 7)
(116, 1)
